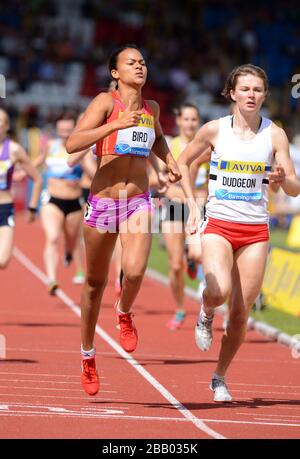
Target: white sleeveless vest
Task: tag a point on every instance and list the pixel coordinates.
(238, 184)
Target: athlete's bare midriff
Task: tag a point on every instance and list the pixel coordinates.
(115, 174)
(6, 197)
(64, 189)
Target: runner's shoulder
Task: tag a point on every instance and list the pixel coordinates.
(209, 130)
(154, 106)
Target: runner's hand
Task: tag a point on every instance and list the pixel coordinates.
(277, 175)
(130, 117)
(31, 216)
(173, 171)
(194, 218)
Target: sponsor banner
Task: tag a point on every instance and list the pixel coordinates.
(229, 196)
(293, 238)
(281, 285)
(242, 167)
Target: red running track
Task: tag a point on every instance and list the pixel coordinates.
(159, 392)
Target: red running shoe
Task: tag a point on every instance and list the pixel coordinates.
(89, 376)
(192, 269)
(128, 332)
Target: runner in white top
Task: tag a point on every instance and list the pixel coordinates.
(235, 231)
(238, 185)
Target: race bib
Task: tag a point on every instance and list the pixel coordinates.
(137, 140)
(240, 180)
(4, 167)
(88, 211)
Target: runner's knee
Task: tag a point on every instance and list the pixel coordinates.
(176, 267)
(53, 240)
(215, 297)
(95, 287)
(134, 274)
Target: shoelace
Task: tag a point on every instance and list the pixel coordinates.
(89, 370)
(219, 383)
(206, 323)
(126, 322)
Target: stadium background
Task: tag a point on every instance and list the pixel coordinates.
(53, 55)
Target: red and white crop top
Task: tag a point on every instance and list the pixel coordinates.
(133, 141)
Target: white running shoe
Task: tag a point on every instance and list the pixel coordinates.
(203, 332)
(221, 394)
(200, 290)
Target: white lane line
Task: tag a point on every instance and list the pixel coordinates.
(159, 387)
(96, 399)
(263, 392)
(51, 351)
(45, 382)
(230, 421)
(162, 356)
(90, 415)
(83, 407)
(254, 385)
(45, 409)
(16, 413)
(63, 397)
(281, 423)
(4, 407)
(60, 409)
(42, 374)
(25, 313)
(53, 389)
(271, 402)
(276, 420)
(267, 415)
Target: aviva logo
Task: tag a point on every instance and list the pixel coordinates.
(242, 167)
(146, 120)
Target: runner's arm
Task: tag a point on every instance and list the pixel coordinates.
(77, 157)
(284, 172)
(90, 128)
(160, 147)
(22, 158)
(199, 148)
(89, 166)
